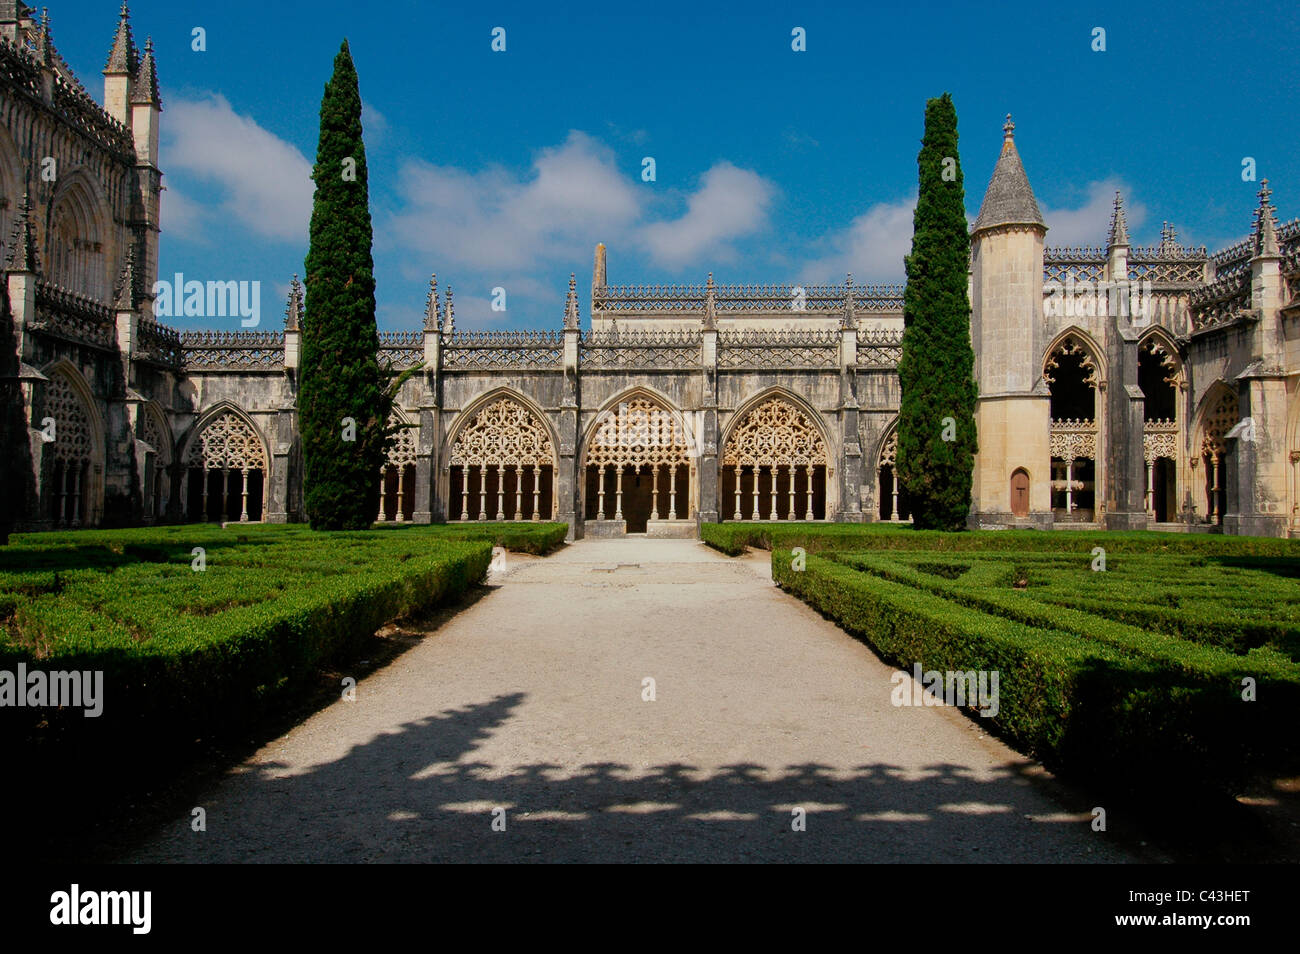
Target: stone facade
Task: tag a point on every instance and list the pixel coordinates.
(1119, 387)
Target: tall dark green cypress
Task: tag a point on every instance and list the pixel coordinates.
(340, 374)
(936, 421)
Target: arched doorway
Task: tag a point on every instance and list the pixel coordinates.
(774, 465)
(639, 465)
(502, 465)
(72, 492)
(158, 436)
(1020, 492)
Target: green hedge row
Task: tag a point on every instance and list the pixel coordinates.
(1238, 607)
(733, 538)
(185, 653)
(1116, 704)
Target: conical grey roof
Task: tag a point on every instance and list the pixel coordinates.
(1009, 199)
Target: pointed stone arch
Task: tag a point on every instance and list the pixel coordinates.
(397, 474)
(72, 466)
(156, 435)
(894, 505)
(78, 250)
(1075, 373)
(639, 431)
(227, 466)
(777, 434)
(503, 443)
(13, 184)
(1218, 413)
(1163, 381)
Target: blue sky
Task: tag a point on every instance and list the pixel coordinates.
(504, 169)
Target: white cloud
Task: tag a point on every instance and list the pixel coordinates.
(493, 220)
(264, 182)
(1089, 223)
(374, 124)
(872, 247)
(731, 203)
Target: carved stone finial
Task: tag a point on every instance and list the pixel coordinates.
(124, 295)
(122, 58)
(1265, 224)
(432, 307)
(145, 91)
(849, 319)
(1118, 224)
(1008, 130)
(710, 305)
(571, 303)
(293, 308)
(22, 243)
(450, 327)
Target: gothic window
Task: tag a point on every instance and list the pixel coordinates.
(502, 450)
(774, 465)
(72, 451)
(226, 466)
(75, 246)
(636, 440)
(158, 436)
(1158, 376)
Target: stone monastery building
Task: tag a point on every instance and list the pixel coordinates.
(1120, 386)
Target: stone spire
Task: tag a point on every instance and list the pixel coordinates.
(571, 319)
(1266, 224)
(1168, 238)
(432, 307)
(710, 305)
(849, 319)
(122, 58)
(146, 80)
(1009, 200)
(293, 308)
(124, 296)
(1118, 224)
(22, 244)
(45, 40)
(450, 326)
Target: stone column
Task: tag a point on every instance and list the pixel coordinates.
(708, 510)
(1125, 478)
(568, 479)
(850, 466)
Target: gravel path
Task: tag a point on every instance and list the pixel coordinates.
(530, 701)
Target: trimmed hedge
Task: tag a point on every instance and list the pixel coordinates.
(733, 538)
(1135, 709)
(186, 653)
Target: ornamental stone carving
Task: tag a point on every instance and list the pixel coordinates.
(501, 434)
(227, 443)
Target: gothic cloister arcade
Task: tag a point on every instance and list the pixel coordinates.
(1219, 413)
(158, 436)
(1160, 376)
(226, 469)
(639, 464)
(397, 476)
(502, 464)
(774, 465)
(894, 505)
(74, 480)
(1072, 376)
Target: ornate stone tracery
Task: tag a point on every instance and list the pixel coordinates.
(1218, 420)
(1071, 345)
(503, 433)
(775, 433)
(1072, 439)
(638, 432)
(73, 433)
(227, 442)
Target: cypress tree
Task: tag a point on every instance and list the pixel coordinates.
(340, 374)
(936, 420)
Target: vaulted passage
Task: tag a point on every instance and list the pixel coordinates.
(1071, 374)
